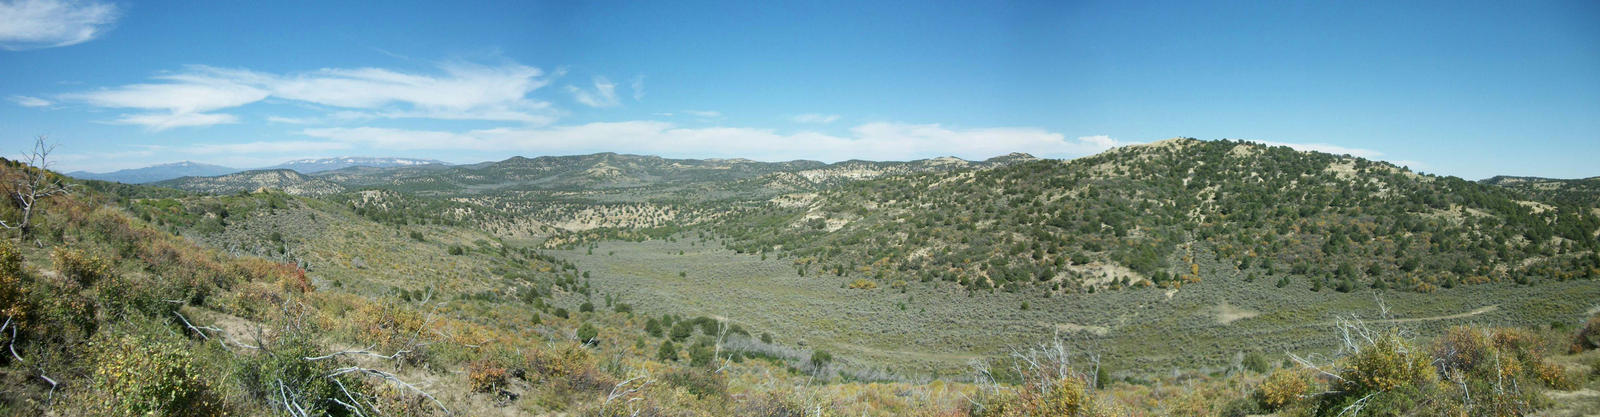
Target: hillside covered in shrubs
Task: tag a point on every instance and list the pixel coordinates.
(127, 300)
(1150, 214)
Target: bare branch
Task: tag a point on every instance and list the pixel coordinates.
(53, 384)
(12, 343)
(35, 183)
(391, 378)
(364, 352)
(619, 391)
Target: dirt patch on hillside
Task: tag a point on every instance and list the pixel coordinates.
(1102, 274)
(1227, 313)
(1079, 328)
(1344, 169)
(1535, 206)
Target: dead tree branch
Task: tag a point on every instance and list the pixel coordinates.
(391, 378)
(35, 184)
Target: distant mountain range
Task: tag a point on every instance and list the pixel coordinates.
(157, 172)
(194, 169)
(315, 165)
(589, 173)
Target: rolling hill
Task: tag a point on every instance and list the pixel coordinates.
(1583, 192)
(1149, 214)
(315, 165)
(282, 179)
(156, 173)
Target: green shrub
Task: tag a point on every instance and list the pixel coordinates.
(13, 295)
(702, 354)
(1256, 362)
(1281, 388)
(281, 367)
(1588, 337)
(1241, 407)
(653, 327)
(667, 352)
(134, 377)
(820, 359)
(1390, 362)
(587, 334)
(80, 267)
(702, 383)
(682, 330)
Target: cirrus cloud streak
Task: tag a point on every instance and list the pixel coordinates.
(36, 24)
(461, 92)
(878, 141)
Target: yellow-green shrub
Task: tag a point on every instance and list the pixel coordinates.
(1283, 387)
(1066, 396)
(1588, 336)
(486, 376)
(83, 268)
(13, 296)
(1065, 399)
(135, 377)
(1390, 362)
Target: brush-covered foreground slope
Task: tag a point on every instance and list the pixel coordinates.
(310, 309)
(1138, 215)
(109, 314)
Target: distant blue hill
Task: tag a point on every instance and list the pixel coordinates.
(311, 166)
(157, 172)
(165, 172)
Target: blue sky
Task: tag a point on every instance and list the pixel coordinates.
(1460, 88)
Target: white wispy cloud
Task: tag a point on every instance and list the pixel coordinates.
(704, 114)
(264, 147)
(290, 120)
(163, 121)
(185, 93)
(1412, 164)
(604, 93)
(461, 92)
(26, 101)
(109, 160)
(1101, 142)
(883, 141)
(638, 88)
(35, 24)
(815, 118)
(465, 90)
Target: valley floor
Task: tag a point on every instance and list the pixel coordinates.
(933, 330)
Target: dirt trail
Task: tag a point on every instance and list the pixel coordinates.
(1580, 403)
(929, 356)
(1478, 311)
